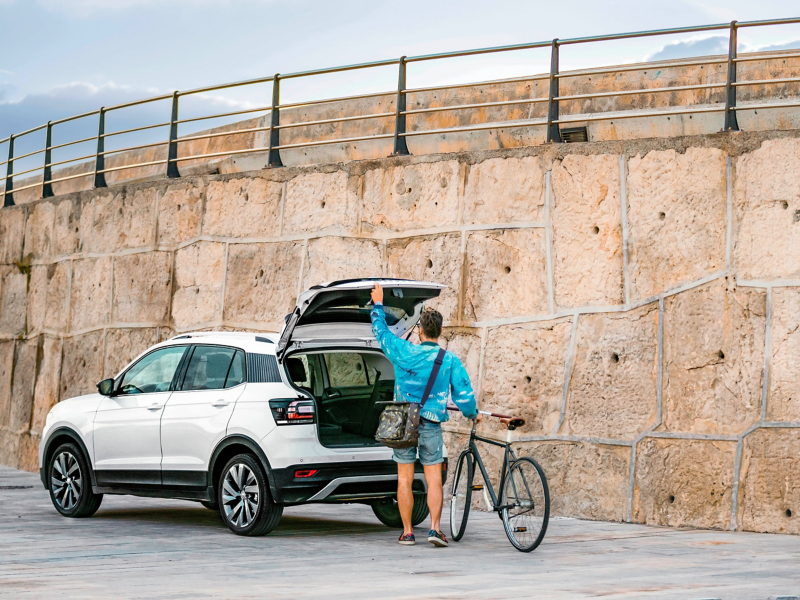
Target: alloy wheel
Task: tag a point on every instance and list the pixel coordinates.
(240, 495)
(66, 480)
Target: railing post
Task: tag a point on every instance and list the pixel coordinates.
(274, 154)
(8, 196)
(172, 149)
(100, 158)
(400, 146)
(47, 189)
(731, 123)
(553, 134)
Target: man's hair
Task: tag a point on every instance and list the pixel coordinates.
(431, 323)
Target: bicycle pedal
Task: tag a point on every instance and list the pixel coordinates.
(477, 488)
(520, 529)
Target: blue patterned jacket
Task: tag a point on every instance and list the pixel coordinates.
(413, 364)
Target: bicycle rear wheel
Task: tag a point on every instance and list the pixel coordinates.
(525, 502)
(462, 495)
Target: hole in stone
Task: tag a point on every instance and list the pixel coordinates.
(430, 264)
(261, 272)
(408, 191)
(788, 512)
(508, 269)
(527, 379)
(671, 499)
(515, 387)
(615, 357)
(323, 204)
(595, 230)
(784, 205)
(358, 366)
(662, 215)
(721, 354)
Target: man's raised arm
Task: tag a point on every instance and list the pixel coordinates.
(391, 345)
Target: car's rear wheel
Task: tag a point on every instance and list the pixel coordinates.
(69, 483)
(244, 499)
(388, 511)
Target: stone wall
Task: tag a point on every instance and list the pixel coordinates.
(638, 303)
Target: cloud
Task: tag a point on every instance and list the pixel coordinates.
(717, 44)
(794, 45)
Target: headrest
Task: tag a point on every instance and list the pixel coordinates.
(297, 370)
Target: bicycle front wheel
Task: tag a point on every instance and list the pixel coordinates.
(525, 504)
(462, 495)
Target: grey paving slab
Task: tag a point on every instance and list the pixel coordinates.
(146, 548)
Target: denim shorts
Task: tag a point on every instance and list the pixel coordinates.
(431, 446)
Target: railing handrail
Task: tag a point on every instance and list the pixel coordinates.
(399, 112)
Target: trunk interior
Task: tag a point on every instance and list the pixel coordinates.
(347, 386)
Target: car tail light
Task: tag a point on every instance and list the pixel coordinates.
(291, 411)
(303, 473)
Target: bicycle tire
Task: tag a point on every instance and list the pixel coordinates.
(526, 490)
(462, 495)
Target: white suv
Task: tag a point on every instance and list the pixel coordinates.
(245, 423)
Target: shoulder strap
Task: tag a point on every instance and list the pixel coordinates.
(437, 364)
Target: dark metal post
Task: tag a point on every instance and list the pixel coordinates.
(47, 189)
(8, 197)
(731, 123)
(400, 146)
(172, 149)
(553, 134)
(274, 154)
(100, 158)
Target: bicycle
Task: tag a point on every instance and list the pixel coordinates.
(524, 505)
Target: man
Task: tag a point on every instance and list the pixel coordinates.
(413, 364)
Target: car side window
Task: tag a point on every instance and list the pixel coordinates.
(153, 373)
(346, 369)
(236, 374)
(208, 368)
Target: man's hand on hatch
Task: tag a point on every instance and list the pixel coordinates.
(377, 294)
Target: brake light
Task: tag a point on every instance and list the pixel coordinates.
(306, 473)
(291, 411)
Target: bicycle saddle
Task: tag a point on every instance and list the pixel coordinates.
(512, 424)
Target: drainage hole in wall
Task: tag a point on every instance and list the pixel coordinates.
(615, 357)
(430, 264)
(662, 215)
(527, 379)
(788, 512)
(508, 269)
(595, 230)
(721, 354)
(671, 499)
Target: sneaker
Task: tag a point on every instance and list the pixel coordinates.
(407, 539)
(437, 538)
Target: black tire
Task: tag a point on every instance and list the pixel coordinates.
(388, 511)
(210, 505)
(526, 499)
(70, 484)
(462, 495)
(244, 500)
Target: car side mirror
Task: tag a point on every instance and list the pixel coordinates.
(106, 387)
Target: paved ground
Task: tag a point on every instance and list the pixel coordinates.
(143, 548)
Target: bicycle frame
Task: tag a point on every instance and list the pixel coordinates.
(508, 458)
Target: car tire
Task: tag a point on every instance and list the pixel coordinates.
(388, 512)
(244, 500)
(70, 484)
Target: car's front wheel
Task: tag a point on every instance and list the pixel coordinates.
(244, 499)
(69, 483)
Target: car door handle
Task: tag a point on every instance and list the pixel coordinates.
(154, 406)
(220, 403)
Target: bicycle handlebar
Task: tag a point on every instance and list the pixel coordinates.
(482, 412)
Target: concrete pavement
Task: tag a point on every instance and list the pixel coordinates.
(147, 548)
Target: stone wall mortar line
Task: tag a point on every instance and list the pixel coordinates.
(69, 293)
(359, 206)
(631, 483)
(728, 213)
(458, 430)
(660, 365)
(548, 241)
(224, 285)
(462, 185)
(623, 193)
(567, 373)
(767, 357)
(767, 283)
(481, 362)
(737, 471)
(159, 194)
(304, 251)
(282, 208)
(462, 280)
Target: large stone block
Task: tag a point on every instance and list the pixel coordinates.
(613, 389)
(56, 315)
(90, 299)
(120, 219)
(506, 274)
(713, 359)
(142, 287)
(523, 373)
(199, 279)
(586, 481)
(9, 449)
(319, 202)
(37, 298)
(505, 190)
(783, 403)
(39, 239)
(430, 258)
(767, 211)
(6, 370)
(13, 300)
(45, 394)
(587, 231)
(22, 387)
(334, 258)
(769, 498)
(180, 212)
(66, 227)
(684, 483)
(421, 196)
(81, 365)
(261, 284)
(28, 452)
(677, 217)
(12, 233)
(247, 207)
(123, 345)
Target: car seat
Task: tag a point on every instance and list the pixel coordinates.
(297, 372)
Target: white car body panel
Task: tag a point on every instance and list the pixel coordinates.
(76, 414)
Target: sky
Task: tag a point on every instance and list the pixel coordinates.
(66, 57)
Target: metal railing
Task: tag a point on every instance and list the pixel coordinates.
(554, 119)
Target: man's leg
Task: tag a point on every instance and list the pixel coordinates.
(405, 497)
(433, 476)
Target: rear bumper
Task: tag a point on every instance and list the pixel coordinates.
(357, 482)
